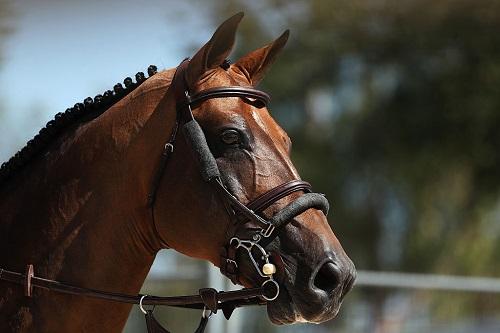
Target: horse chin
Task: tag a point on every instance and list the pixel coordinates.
(284, 311)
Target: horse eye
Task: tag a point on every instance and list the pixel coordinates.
(230, 137)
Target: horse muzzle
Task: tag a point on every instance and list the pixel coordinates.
(311, 292)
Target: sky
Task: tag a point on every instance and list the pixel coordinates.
(61, 52)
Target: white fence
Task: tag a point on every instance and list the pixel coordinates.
(428, 281)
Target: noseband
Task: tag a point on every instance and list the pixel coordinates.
(264, 230)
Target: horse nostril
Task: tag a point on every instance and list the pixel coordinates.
(328, 277)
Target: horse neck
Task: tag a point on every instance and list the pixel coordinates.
(80, 214)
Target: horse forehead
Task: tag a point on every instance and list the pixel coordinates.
(219, 78)
(234, 109)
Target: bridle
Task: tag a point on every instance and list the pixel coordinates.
(252, 241)
(268, 229)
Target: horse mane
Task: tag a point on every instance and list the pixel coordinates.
(79, 114)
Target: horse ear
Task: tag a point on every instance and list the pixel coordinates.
(215, 51)
(255, 64)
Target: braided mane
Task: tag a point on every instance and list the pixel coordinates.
(78, 114)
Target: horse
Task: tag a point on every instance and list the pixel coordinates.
(118, 179)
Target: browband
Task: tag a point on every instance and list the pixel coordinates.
(193, 101)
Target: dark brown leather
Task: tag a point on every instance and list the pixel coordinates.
(228, 265)
(228, 91)
(178, 86)
(227, 309)
(152, 324)
(202, 325)
(209, 298)
(267, 199)
(239, 297)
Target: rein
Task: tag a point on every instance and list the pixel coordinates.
(250, 243)
(208, 298)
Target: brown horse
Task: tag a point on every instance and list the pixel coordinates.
(79, 211)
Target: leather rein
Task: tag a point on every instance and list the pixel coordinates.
(251, 243)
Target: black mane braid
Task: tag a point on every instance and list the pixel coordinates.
(78, 114)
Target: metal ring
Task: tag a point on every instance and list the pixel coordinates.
(169, 147)
(235, 241)
(277, 290)
(204, 315)
(140, 304)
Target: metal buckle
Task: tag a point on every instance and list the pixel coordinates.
(168, 148)
(231, 261)
(268, 231)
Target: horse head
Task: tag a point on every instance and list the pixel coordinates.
(189, 159)
(237, 156)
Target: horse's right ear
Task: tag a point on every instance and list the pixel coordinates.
(255, 64)
(214, 52)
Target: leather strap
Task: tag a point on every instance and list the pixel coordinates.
(228, 264)
(241, 297)
(202, 325)
(152, 325)
(195, 100)
(178, 86)
(267, 199)
(209, 298)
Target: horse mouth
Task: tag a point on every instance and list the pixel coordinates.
(292, 307)
(309, 297)
(283, 311)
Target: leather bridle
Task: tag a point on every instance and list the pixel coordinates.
(252, 241)
(267, 229)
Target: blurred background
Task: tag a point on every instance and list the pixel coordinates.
(393, 108)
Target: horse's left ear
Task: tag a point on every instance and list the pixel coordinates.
(213, 53)
(255, 64)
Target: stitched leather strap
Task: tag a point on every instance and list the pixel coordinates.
(261, 97)
(238, 298)
(267, 199)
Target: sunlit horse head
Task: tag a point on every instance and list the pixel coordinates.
(79, 211)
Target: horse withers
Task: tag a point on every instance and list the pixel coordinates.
(190, 160)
